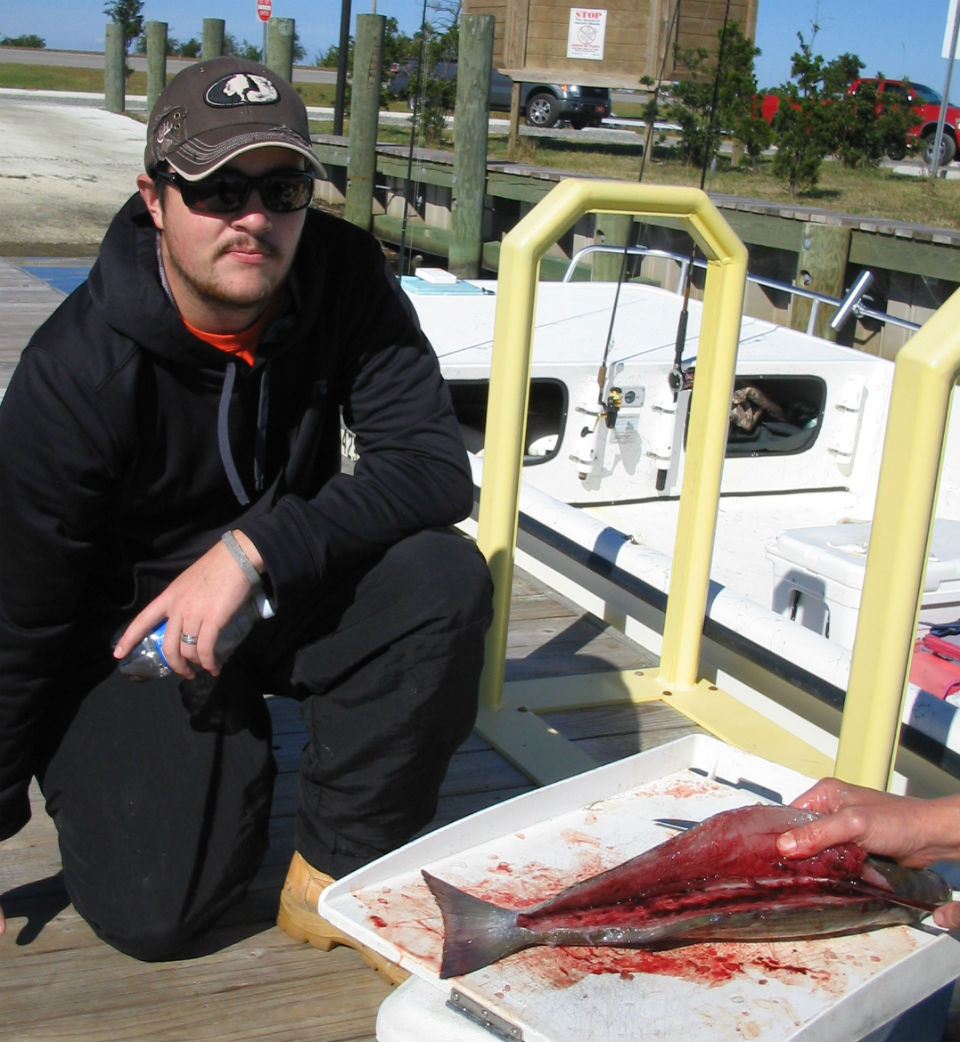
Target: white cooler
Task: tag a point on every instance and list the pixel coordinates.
(818, 577)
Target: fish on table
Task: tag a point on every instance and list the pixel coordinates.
(723, 879)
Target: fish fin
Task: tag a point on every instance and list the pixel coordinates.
(475, 932)
(919, 888)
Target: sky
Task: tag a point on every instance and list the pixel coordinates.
(895, 37)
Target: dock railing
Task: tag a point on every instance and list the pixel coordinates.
(926, 371)
(849, 305)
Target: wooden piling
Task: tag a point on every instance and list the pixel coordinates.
(364, 115)
(156, 33)
(821, 267)
(280, 46)
(213, 34)
(610, 229)
(471, 123)
(114, 68)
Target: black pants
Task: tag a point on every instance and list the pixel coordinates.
(161, 791)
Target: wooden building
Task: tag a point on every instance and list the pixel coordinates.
(615, 45)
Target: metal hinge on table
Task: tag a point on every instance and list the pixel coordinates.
(479, 1014)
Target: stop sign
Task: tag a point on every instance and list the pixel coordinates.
(264, 7)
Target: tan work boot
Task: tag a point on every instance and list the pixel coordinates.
(298, 918)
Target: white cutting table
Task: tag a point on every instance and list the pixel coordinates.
(841, 988)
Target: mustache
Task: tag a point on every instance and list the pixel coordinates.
(249, 243)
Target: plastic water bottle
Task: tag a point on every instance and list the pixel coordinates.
(146, 661)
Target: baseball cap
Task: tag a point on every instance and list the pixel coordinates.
(218, 109)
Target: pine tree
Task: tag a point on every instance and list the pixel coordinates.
(716, 98)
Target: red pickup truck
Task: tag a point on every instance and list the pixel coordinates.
(924, 102)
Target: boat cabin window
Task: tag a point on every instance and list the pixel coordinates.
(546, 416)
(775, 415)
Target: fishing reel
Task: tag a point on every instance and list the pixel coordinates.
(612, 407)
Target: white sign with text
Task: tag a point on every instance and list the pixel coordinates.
(588, 27)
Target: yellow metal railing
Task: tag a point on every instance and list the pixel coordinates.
(926, 370)
(520, 255)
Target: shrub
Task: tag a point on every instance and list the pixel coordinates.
(26, 40)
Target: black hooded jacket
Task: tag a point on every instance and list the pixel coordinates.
(129, 446)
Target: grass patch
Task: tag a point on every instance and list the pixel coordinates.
(56, 77)
(321, 95)
(874, 192)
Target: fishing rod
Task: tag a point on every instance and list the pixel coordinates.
(611, 404)
(676, 373)
(413, 137)
(648, 138)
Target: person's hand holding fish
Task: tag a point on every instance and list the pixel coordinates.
(722, 879)
(913, 832)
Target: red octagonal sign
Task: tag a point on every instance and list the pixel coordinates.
(264, 7)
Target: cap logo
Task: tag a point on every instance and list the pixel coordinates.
(168, 125)
(242, 88)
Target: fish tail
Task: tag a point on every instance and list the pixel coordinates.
(475, 932)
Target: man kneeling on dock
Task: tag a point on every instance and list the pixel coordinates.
(171, 454)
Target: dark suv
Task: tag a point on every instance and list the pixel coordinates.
(542, 104)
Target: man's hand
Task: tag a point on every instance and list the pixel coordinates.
(913, 832)
(198, 603)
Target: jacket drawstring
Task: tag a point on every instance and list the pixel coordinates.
(223, 433)
(263, 411)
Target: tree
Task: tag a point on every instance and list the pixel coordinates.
(818, 115)
(330, 58)
(716, 98)
(128, 14)
(241, 50)
(254, 52)
(432, 44)
(803, 134)
(175, 48)
(737, 112)
(691, 107)
(26, 40)
(869, 124)
(396, 45)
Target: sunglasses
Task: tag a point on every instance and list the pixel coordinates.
(227, 191)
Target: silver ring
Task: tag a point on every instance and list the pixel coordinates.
(184, 639)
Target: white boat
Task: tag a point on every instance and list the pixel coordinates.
(807, 459)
